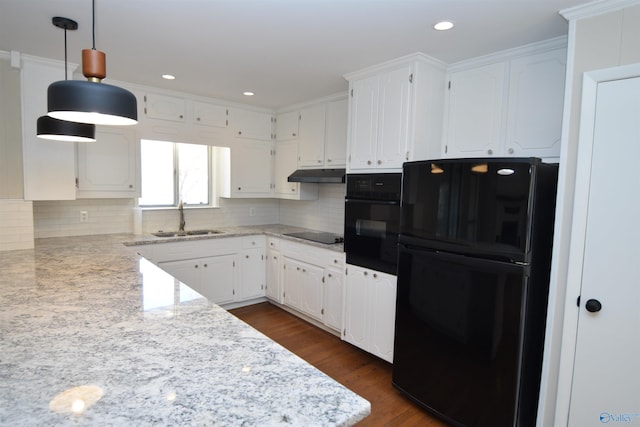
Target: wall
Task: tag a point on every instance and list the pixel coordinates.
(609, 36)
(16, 225)
(10, 131)
(324, 214)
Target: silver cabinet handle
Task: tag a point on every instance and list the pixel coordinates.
(368, 162)
(379, 162)
(489, 151)
(510, 150)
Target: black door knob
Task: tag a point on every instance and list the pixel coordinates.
(593, 306)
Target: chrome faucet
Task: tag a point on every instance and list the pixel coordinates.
(182, 222)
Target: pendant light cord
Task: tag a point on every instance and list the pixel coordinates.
(65, 53)
(93, 22)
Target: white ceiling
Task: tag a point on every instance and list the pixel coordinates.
(286, 51)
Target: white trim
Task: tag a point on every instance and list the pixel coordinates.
(508, 54)
(394, 63)
(325, 99)
(596, 8)
(591, 80)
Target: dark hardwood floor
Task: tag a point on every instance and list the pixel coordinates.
(366, 375)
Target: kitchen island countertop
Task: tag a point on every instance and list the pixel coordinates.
(93, 334)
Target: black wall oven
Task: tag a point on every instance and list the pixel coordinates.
(372, 220)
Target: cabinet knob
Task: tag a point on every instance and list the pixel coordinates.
(304, 271)
(366, 273)
(293, 189)
(335, 261)
(329, 274)
(293, 134)
(489, 151)
(375, 275)
(593, 306)
(181, 116)
(239, 132)
(298, 268)
(196, 266)
(379, 162)
(275, 257)
(205, 265)
(198, 119)
(510, 150)
(239, 188)
(319, 161)
(130, 185)
(328, 160)
(246, 256)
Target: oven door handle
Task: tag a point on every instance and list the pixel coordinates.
(374, 202)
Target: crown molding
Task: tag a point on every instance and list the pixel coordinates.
(596, 8)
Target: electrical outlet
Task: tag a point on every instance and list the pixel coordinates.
(252, 211)
(84, 216)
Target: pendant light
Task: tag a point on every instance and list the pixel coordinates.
(62, 130)
(92, 101)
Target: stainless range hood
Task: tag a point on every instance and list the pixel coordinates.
(318, 175)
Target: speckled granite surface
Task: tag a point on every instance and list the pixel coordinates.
(274, 230)
(88, 311)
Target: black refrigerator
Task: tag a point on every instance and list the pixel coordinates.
(474, 255)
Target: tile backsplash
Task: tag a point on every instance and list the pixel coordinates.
(108, 216)
(16, 224)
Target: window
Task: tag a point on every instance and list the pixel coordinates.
(174, 172)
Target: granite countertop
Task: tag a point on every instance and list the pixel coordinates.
(274, 230)
(93, 334)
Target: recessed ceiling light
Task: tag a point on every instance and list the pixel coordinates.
(443, 26)
(247, 93)
(168, 77)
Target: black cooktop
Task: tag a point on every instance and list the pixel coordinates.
(317, 236)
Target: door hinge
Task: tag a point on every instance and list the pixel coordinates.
(407, 156)
(411, 78)
(145, 100)
(346, 271)
(284, 267)
(234, 263)
(322, 279)
(578, 301)
(233, 291)
(145, 111)
(446, 148)
(449, 85)
(262, 257)
(261, 286)
(352, 93)
(322, 311)
(77, 183)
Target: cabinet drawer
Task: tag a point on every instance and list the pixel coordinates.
(195, 249)
(311, 254)
(253, 242)
(273, 243)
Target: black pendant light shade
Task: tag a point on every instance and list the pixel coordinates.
(62, 130)
(91, 102)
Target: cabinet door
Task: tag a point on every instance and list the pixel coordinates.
(209, 114)
(382, 323)
(273, 290)
(291, 283)
(251, 124)
(251, 169)
(393, 118)
(49, 166)
(536, 97)
(219, 278)
(312, 133)
(311, 281)
(475, 111)
(187, 271)
(107, 167)
(253, 273)
(287, 126)
(285, 163)
(333, 298)
(356, 307)
(335, 147)
(363, 136)
(164, 107)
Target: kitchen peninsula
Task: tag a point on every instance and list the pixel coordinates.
(93, 334)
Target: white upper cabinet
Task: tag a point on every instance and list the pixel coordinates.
(312, 133)
(251, 169)
(508, 108)
(208, 114)
(49, 166)
(108, 168)
(335, 147)
(395, 114)
(165, 107)
(536, 99)
(476, 99)
(287, 125)
(251, 124)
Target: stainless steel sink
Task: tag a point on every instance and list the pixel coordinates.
(185, 233)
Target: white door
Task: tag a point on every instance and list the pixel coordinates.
(364, 123)
(393, 119)
(606, 377)
(312, 129)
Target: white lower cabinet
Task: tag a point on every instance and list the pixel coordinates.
(370, 309)
(274, 287)
(213, 277)
(311, 282)
(253, 268)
